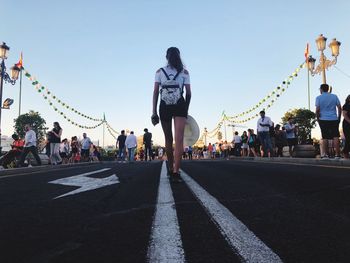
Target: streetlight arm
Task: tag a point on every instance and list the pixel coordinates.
(325, 65)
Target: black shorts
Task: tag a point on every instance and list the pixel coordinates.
(329, 129)
(63, 155)
(167, 112)
(292, 141)
(85, 152)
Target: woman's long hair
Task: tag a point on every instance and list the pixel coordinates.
(58, 125)
(347, 100)
(174, 59)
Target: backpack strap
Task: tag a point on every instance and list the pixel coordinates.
(177, 74)
(166, 75)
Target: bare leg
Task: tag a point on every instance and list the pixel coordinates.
(180, 123)
(336, 146)
(168, 134)
(324, 147)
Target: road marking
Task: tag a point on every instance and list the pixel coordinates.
(50, 169)
(86, 183)
(165, 244)
(249, 247)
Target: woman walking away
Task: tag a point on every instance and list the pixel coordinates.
(169, 83)
(346, 127)
(55, 143)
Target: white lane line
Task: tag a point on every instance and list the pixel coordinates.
(249, 247)
(165, 244)
(86, 183)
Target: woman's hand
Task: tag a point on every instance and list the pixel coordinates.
(155, 119)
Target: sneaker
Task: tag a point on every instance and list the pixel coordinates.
(175, 178)
(324, 157)
(337, 157)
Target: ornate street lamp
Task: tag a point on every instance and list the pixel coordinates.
(4, 51)
(324, 62)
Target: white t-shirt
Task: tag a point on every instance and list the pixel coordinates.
(131, 141)
(237, 139)
(290, 130)
(265, 120)
(30, 138)
(86, 143)
(182, 79)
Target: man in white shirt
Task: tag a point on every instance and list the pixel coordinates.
(263, 128)
(237, 144)
(29, 146)
(131, 144)
(85, 147)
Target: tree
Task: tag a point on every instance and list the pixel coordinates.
(305, 120)
(35, 120)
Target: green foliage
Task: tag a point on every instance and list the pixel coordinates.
(305, 120)
(35, 120)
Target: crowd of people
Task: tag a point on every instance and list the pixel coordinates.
(59, 151)
(271, 139)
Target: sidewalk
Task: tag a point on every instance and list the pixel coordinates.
(311, 161)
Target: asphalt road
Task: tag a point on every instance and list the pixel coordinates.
(224, 211)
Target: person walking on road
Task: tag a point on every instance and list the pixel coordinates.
(346, 127)
(85, 148)
(291, 135)
(55, 142)
(29, 146)
(237, 144)
(131, 144)
(169, 84)
(120, 144)
(263, 128)
(327, 105)
(147, 141)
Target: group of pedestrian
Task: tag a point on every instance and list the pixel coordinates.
(126, 146)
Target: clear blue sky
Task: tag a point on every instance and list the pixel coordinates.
(101, 56)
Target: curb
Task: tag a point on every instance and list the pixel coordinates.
(311, 161)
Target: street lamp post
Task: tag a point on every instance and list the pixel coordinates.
(4, 50)
(324, 62)
(205, 136)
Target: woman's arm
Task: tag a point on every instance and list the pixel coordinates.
(59, 134)
(346, 116)
(188, 94)
(155, 97)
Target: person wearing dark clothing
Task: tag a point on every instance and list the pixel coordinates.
(147, 141)
(346, 127)
(280, 140)
(121, 146)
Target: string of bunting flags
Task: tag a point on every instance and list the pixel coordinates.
(272, 97)
(48, 95)
(41, 89)
(269, 99)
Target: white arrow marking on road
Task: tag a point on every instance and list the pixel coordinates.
(86, 183)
